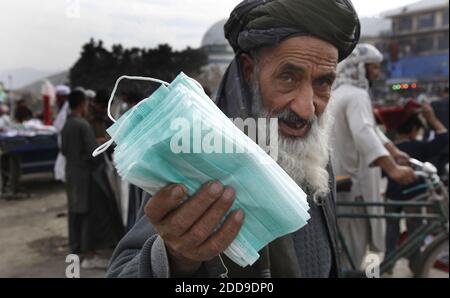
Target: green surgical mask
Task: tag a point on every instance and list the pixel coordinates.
(144, 156)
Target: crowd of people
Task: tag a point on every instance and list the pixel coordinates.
(101, 207)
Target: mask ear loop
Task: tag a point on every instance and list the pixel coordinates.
(108, 144)
(197, 83)
(129, 78)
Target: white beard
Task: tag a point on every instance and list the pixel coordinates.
(304, 160)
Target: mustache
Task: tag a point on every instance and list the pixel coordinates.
(289, 116)
(284, 115)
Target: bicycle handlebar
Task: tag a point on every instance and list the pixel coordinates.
(423, 169)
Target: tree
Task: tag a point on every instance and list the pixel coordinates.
(98, 68)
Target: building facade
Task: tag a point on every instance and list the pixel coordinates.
(418, 46)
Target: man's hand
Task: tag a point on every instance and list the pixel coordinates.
(428, 112)
(400, 174)
(189, 229)
(401, 157)
(403, 175)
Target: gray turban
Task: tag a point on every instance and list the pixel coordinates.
(257, 23)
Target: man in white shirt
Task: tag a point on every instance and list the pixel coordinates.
(62, 95)
(361, 150)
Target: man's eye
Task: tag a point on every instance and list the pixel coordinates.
(324, 83)
(287, 78)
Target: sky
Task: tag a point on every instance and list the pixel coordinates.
(48, 34)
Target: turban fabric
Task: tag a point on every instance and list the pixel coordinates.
(255, 24)
(258, 23)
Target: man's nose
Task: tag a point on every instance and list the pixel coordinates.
(303, 103)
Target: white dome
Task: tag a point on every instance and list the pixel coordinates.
(215, 35)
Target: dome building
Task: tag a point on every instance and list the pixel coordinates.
(219, 54)
(216, 46)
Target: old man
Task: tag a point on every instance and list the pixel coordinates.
(287, 52)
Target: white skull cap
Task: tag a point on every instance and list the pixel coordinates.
(367, 53)
(62, 90)
(90, 93)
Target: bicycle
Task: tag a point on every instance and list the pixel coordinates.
(434, 206)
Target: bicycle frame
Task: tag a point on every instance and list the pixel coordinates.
(437, 221)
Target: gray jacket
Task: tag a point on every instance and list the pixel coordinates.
(142, 253)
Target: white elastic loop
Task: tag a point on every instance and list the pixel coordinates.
(108, 144)
(223, 275)
(129, 78)
(197, 83)
(102, 148)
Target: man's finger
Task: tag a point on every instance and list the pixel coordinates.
(208, 223)
(223, 238)
(187, 214)
(164, 201)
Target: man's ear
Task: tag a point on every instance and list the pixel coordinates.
(247, 65)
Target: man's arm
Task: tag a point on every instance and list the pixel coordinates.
(368, 143)
(429, 115)
(399, 156)
(401, 174)
(176, 239)
(188, 229)
(434, 146)
(139, 254)
(363, 129)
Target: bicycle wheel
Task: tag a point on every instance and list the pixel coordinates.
(434, 263)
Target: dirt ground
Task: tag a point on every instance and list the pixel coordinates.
(33, 233)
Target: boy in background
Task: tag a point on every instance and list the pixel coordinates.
(422, 150)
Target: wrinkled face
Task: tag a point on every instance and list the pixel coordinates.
(292, 82)
(373, 71)
(295, 79)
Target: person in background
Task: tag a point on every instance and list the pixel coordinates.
(93, 223)
(426, 150)
(22, 112)
(2, 93)
(132, 196)
(62, 96)
(97, 115)
(90, 95)
(441, 110)
(62, 102)
(361, 150)
(132, 98)
(5, 120)
(440, 107)
(100, 122)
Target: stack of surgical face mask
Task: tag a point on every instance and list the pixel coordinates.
(178, 135)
